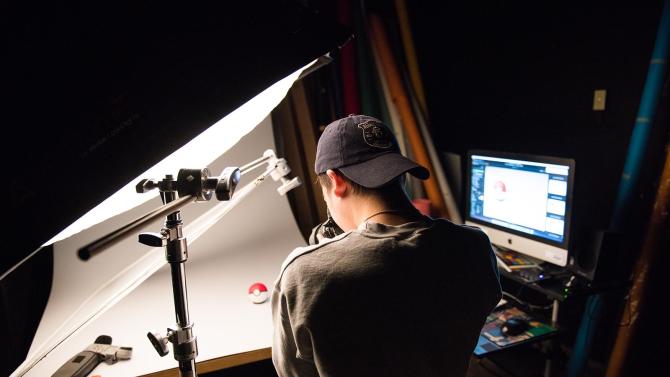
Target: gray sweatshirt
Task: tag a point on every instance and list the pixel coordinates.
(382, 300)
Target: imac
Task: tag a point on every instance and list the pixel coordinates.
(522, 202)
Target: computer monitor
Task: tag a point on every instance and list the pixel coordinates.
(522, 202)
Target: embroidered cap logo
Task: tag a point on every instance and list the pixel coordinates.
(376, 135)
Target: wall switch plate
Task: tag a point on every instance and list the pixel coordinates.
(599, 97)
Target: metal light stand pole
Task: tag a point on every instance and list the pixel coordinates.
(191, 184)
(184, 343)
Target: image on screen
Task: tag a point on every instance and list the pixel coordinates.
(526, 196)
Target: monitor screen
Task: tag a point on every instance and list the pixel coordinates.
(523, 202)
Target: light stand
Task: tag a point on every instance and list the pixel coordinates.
(184, 343)
(191, 185)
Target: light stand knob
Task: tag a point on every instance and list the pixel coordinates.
(145, 185)
(159, 342)
(152, 239)
(228, 181)
(288, 185)
(280, 172)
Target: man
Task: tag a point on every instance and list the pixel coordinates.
(397, 293)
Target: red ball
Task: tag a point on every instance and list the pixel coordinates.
(258, 293)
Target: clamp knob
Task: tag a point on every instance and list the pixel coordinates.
(288, 185)
(194, 182)
(227, 183)
(145, 185)
(152, 239)
(159, 342)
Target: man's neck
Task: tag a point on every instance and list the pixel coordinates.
(397, 212)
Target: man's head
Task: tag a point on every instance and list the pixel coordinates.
(359, 156)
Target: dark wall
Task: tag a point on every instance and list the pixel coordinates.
(98, 92)
(520, 78)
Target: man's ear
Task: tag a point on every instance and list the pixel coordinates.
(338, 185)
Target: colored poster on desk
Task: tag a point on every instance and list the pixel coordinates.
(492, 339)
(515, 260)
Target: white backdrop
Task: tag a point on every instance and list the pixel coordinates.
(108, 294)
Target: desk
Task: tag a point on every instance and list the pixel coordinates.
(220, 363)
(552, 289)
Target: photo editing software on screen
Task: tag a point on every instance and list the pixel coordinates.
(526, 196)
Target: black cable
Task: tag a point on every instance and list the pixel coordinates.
(527, 304)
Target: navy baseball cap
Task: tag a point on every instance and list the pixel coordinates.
(365, 151)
